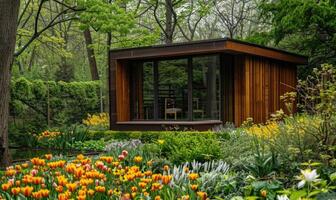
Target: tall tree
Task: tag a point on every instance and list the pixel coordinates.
(233, 14)
(169, 22)
(9, 10)
(9, 14)
(91, 55)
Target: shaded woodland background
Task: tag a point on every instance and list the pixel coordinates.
(69, 40)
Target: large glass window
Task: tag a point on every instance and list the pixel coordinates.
(172, 89)
(206, 91)
(176, 89)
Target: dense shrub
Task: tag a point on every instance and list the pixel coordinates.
(68, 102)
(181, 147)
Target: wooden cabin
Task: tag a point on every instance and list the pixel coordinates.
(198, 85)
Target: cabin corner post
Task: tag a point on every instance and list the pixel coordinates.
(226, 88)
(112, 88)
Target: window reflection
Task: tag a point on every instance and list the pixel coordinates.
(160, 89)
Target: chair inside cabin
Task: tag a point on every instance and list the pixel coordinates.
(170, 108)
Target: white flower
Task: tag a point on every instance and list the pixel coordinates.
(308, 176)
(282, 197)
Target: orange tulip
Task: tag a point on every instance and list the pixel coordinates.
(134, 189)
(37, 195)
(156, 186)
(71, 186)
(63, 196)
(156, 177)
(10, 172)
(15, 191)
(37, 180)
(48, 156)
(27, 191)
(166, 168)
(166, 179)
(142, 184)
(5, 186)
(91, 192)
(45, 192)
(194, 187)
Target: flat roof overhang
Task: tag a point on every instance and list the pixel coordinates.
(206, 47)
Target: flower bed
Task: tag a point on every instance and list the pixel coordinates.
(104, 177)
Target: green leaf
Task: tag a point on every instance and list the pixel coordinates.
(298, 194)
(333, 177)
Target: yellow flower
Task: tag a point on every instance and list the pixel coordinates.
(101, 119)
(202, 195)
(137, 159)
(100, 189)
(157, 197)
(193, 176)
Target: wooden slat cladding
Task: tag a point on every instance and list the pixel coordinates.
(288, 82)
(112, 93)
(122, 91)
(258, 84)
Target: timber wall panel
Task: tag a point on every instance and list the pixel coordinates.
(258, 84)
(122, 92)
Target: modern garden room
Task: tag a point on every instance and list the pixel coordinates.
(198, 85)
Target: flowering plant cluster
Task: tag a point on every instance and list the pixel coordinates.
(101, 119)
(48, 135)
(104, 177)
(269, 130)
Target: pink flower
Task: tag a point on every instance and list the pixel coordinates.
(121, 157)
(124, 153)
(34, 172)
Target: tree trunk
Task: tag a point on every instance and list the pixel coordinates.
(91, 55)
(9, 10)
(169, 22)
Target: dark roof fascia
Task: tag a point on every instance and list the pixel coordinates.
(131, 51)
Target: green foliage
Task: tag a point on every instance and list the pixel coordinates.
(262, 189)
(181, 147)
(90, 145)
(236, 147)
(144, 136)
(106, 17)
(68, 103)
(305, 26)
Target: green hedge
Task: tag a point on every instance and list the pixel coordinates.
(144, 136)
(68, 102)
